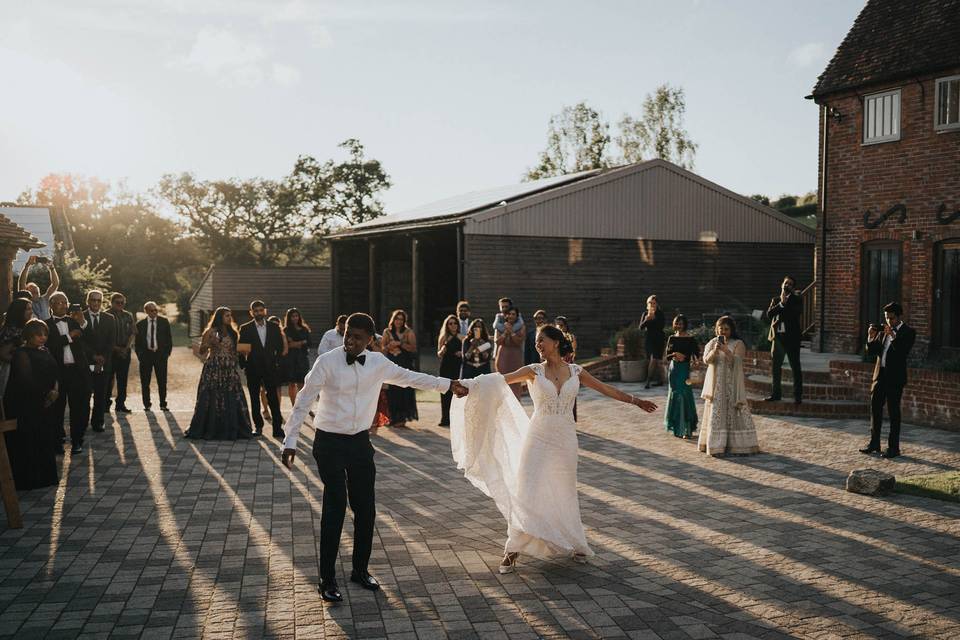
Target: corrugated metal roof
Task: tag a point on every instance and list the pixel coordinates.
(464, 203)
(36, 222)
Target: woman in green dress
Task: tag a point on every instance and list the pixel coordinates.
(682, 350)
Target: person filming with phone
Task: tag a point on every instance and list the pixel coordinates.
(784, 315)
(41, 303)
(890, 344)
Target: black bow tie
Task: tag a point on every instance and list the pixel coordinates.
(59, 318)
(359, 359)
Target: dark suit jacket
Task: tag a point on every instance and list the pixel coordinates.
(788, 317)
(57, 342)
(164, 338)
(895, 373)
(101, 341)
(263, 360)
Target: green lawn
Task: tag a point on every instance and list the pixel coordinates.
(179, 333)
(939, 486)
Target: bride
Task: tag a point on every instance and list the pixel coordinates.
(529, 465)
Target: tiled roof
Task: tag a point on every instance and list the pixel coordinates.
(12, 234)
(893, 39)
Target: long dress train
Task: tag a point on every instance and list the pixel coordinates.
(527, 465)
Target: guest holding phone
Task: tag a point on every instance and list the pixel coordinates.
(450, 352)
(477, 350)
(509, 342)
(654, 341)
(890, 345)
(784, 315)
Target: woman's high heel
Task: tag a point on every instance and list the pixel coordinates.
(509, 562)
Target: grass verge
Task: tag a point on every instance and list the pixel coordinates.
(939, 486)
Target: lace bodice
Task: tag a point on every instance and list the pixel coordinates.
(543, 391)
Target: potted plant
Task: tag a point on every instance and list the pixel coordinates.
(633, 366)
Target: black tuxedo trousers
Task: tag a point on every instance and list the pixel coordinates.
(885, 392)
(347, 470)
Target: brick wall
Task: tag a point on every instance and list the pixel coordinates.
(920, 171)
(602, 285)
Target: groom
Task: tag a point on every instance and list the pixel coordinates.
(348, 381)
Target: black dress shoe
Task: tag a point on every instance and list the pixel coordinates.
(123, 409)
(890, 453)
(77, 448)
(164, 407)
(279, 434)
(330, 592)
(258, 432)
(98, 428)
(365, 580)
(870, 449)
(772, 399)
(146, 407)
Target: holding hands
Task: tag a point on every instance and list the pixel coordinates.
(458, 389)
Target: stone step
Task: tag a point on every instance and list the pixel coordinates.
(813, 377)
(763, 385)
(812, 408)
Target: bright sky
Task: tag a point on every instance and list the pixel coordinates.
(451, 96)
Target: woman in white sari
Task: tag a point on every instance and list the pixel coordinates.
(529, 465)
(727, 426)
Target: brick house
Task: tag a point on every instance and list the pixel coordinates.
(590, 246)
(889, 169)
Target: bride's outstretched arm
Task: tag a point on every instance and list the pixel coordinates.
(588, 380)
(520, 375)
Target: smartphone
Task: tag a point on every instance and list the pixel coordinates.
(721, 340)
(42, 259)
(75, 307)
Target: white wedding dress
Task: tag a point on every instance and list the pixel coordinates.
(527, 465)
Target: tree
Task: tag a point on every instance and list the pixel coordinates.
(278, 222)
(577, 140)
(659, 131)
(762, 199)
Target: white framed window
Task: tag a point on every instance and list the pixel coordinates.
(947, 104)
(881, 117)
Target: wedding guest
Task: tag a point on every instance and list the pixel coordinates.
(680, 418)
(100, 334)
(477, 350)
(19, 312)
(120, 358)
(785, 332)
(509, 340)
(382, 416)
(266, 344)
(727, 424)
(399, 344)
(333, 338)
(66, 344)
(530, 355)
(463, 316)
(450, 352)
(653, 341)
(891, 347)
(498, 326)
(29, 398)
(40, 302)
(264, 402)
(295, 365)
(221, 411)
(153, 344)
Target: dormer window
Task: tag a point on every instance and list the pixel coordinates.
(881, 117)
(947, 101)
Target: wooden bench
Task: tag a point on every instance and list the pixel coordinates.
(7, 488)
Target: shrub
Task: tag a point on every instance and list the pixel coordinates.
(632, 339)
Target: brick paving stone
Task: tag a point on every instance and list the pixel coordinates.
(155, 536)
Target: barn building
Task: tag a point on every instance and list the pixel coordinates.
(591, 246)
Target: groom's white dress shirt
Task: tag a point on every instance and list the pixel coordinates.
(349, 392)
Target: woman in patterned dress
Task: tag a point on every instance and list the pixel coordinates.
(221, 412)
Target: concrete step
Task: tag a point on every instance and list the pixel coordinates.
(763, 385)
(812, 408)
(809, 377)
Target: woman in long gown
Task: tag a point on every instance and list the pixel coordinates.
(727, 423)
(529, 465)
(30, 395)
(399, 344)
(221, 412)
(680, 416)
(509, 356)
(450, 352)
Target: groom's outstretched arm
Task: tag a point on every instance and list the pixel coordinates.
(312, 385)
(401, 377)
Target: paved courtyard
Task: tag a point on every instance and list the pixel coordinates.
(150, 535)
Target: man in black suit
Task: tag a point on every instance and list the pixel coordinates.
(784, 315)
(154, 344)
(891, 345)
(67, 346)
(100, 334)
(120, 360)
(262, 365)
